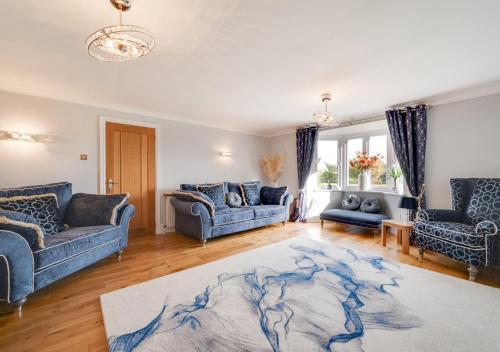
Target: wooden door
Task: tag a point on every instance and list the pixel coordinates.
(130, 167)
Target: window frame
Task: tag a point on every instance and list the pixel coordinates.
(343, 162)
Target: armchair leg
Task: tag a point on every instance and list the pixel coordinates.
(473, 270)
(322, 223)
(421, 254)
(18, 305)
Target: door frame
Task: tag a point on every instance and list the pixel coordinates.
(102, 160)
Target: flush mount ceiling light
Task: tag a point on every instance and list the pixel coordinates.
(325, 118)
(122, 42)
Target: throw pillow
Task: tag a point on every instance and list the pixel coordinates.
(250, 194)
(194, 196)
(42, 207)
(24, 225)
(351, 202)
(216, 194)
(94, 209)
(371, 205)
(233, 199)
(273, 195)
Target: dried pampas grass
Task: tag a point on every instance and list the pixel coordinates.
(272, 165)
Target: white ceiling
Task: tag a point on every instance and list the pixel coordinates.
(257, 66)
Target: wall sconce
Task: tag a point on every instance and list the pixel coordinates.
(226, 154)
(23, 137)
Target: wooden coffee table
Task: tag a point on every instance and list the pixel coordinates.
(403, 229)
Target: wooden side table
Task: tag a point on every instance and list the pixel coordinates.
(403, 229)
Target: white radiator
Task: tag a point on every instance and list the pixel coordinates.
(169, 216)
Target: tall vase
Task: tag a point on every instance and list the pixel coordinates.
(365, 180)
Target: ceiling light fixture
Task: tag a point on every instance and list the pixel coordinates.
(122, 42)
(325, 118)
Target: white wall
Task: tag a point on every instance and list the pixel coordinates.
(463, 140)
(189, 153)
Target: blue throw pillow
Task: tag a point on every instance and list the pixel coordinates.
(273, 195)
(94, 209)
(42, 207)
(24, 225)
(216, 194)
(250, 194)
(194, 196)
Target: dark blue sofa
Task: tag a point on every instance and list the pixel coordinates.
(194, 219)
(24, 269)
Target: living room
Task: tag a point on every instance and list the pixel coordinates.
(263, 176)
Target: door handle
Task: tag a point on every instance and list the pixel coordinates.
(111, 183)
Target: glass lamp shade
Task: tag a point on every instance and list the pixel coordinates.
(120, 43)
(325, 118)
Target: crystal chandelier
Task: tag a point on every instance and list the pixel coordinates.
(325, 118)
(122, 42)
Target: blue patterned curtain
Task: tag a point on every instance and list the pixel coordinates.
(306, 139)
(408, 129)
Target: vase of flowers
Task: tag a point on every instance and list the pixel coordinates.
(363, 163)
(272, 165)
(395, 173)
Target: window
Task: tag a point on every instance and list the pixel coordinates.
(353, 146)
(334, 170)
(328, 171)
(378, 145)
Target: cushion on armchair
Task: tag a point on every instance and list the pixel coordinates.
(43, 207)
(24, 225)
(250, 194)
(216, 194)
(273, 195)
(94, 209)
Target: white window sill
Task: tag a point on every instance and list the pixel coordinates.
(389, 193)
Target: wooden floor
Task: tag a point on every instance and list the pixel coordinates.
(66, 316)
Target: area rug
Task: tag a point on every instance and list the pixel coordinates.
(303, 295)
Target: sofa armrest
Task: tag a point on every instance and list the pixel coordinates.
(25, 226)
(16, 267)
(191, 209)
(287, 200)
(125, 213)
(441, 215)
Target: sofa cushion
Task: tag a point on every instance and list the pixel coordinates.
(42, 207)
(273, 195)
(233, 199)
(193, 187)
(216, 194)
(353, 217)
(232, 215)
(268, 211)
(61, 189)
(94, 209)
(455, 232)
(351, 202)
(72, 242)
(23, 225)
(485, 201)
(236, 186)
(371, 205)
(250, 194)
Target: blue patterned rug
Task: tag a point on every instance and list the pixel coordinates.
(303, 295)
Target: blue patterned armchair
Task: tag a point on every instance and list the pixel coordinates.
(468, 232)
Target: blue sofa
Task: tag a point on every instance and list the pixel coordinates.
(25, 268)
(194, 219)
(469, 231)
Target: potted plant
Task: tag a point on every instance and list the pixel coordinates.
(364, 163)
(395, 173)
(328, 175)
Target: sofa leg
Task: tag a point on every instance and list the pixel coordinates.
(322, 223)
(203, 242)
(18, 305)
(421, 254)
(473, 270)
(284, 223)
(119, 254)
